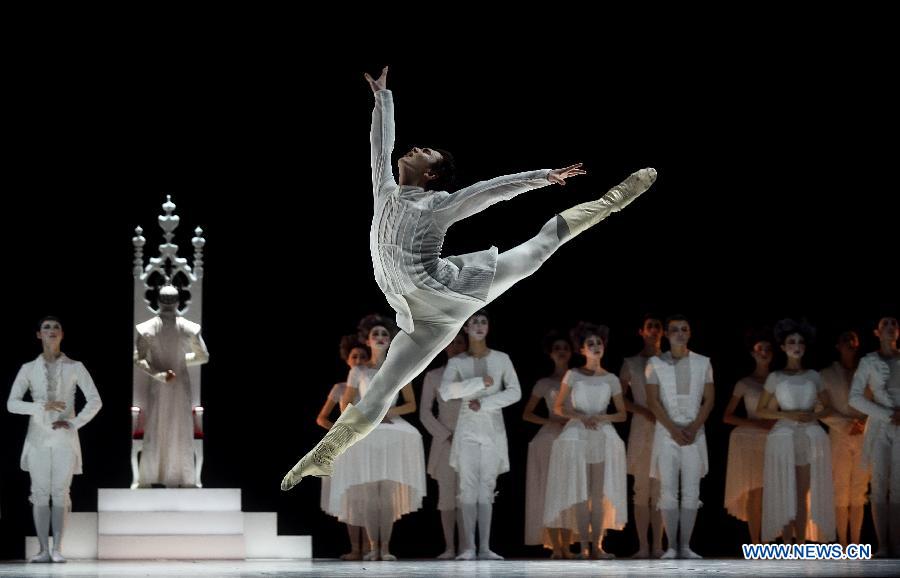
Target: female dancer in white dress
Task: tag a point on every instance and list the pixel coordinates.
(747, 444)
(382, 479)
(586, 492)
(432, 295)
(640, 439)
(559, 348)
(354, 353)
(797, 468)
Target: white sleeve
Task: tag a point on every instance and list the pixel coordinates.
(453, 386)
(91, 395)
(15, 403)
(511, 393)
(857, 400)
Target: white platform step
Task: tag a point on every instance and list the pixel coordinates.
(262, 539)
(169, 500)
(173, 547)
(80, 541)
(177, 524)
(170, 523)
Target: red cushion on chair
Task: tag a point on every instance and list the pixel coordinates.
(138, 433)
(198, 425)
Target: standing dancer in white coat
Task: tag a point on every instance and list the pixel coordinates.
(485, 381)
(880, 372)
(52, 451)
(432, 295)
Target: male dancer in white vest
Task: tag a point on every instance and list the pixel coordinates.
(880, 371)
(680, 393)
(486, 382)
(52, 451)
(432, 295)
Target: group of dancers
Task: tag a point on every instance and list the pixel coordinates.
(672, 393)
(785, 476)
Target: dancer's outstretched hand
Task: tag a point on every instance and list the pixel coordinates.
(380, 83)
(559, 176)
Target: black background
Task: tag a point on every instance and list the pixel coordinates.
(776, 197)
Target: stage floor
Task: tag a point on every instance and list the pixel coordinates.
(431, 568)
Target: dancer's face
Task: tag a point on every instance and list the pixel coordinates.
(887, 328)
(593, 347)
(457, 346)
(419, 161)
(651, 331)
(794, 346)
(477, 328)
(358, 356)
(679, 333)
(848, 344)
(561, 352)
(50, 333)
(379, 338)
(762, 352)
